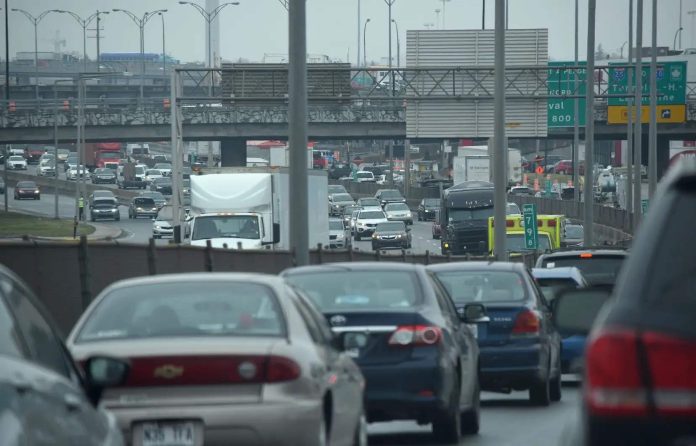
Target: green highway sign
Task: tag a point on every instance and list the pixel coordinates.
(531, 234)
(671, 84)
(644, 206)
(561, 82)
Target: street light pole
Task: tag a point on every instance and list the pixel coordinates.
(652, 146)
(365, 43)
(359, 23)
(589, 125)
(398, 45)
(443, 12)
(164, 49)
(84, 23)
(35, 21)
(140, 23)
(7, 86)
(629, 126)
(576, 111)
(483, 14)
(391, 82)
(638, 126)
(499, 150)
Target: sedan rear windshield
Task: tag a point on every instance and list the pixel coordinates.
(359, 290)
(369, 202)
(184, 309)
(336, 225)
(391, 227)
(396, 207)
(551, 288)
(390, 194)
(596, 269)
(371, 215)
(342, 197)
(483, 286)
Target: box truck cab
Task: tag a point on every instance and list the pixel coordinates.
(245, 230)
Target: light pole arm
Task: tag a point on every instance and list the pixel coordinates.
(217, 10)
(132, 16)
(31, 18)
(199, 8)
(148, 15)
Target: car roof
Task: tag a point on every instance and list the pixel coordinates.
(604, 252)
(475, 266)
(355, 267)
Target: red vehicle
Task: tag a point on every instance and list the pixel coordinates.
(96, 154)
(33, 154)
(563, 167)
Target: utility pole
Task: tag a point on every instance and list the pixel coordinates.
(500, 151)
(297, 129)
(652, 146)
(576, 111)
(359, 23)
(589, 125)
(7, 88)
(629, 127)
(483, 14)
(98, 38)
(391, 82)
(638, 126)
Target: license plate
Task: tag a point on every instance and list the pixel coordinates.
(168, 434)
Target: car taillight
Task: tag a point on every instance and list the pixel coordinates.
(616, 387)
(280, 369)
(526, 324)
(415, 335)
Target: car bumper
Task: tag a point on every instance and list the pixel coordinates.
(412, 390)
(17, 167)
(244, 424)
(145, 213)
(407, 220)
(364, 232)
(27, 195)
(109, 215)
(338, 244)
(511, 366)
(646, 431)
(385, 244)
(163, 232)
(103, 180)
(428, 215)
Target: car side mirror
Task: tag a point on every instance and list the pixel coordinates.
(473, 313)
(575, 310)
(103, 372)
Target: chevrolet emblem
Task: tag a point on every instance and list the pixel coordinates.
(168, 371)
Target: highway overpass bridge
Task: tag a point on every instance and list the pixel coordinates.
(248, 104)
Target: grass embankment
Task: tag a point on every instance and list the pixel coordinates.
(13, 224)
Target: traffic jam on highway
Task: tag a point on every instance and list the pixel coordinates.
(321, 354)
(420, 253)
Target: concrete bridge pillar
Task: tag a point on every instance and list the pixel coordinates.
(233, 152)
(662, 153)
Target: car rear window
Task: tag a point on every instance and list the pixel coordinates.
(336, 225)
(597, 269)
(359, 290)
(483, 286)
(552, 287)
(185, 309)
(371, 215)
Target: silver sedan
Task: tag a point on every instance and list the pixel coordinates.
(222, 359)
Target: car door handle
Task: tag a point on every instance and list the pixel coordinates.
(72, 402)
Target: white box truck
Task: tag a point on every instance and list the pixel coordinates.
(472, 163)
(251, 207)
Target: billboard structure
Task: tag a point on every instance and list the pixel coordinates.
(457, 84)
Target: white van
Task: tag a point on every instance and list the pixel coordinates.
(138, 150)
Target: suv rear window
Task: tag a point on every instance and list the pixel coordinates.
(598, 269)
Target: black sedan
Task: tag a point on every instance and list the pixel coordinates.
(418, 355)
(162, 185)
(428, 209)
(104, 176)
(393, 234)
(520, 347)
(27, 189)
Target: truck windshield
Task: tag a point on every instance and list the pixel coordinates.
(226, 226)
(470, 214)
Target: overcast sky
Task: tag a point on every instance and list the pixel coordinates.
(258, 27)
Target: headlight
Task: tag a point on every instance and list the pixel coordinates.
(340, 236)
(157, 226)
(138, 209)
(36, 191)
(398, 236)
(374, 236)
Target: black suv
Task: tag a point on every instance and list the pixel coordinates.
(640, 359)
(599, 266)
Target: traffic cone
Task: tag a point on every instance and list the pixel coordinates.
(536, 184)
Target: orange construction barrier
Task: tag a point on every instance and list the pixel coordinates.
(536, 184)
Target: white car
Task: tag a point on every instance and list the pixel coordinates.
(72, 174)
(369, 204)
(164, 168)
(367, 221)
(152, 174)
(399, 212)
(16, 162)
(364, 176)
(46, 169)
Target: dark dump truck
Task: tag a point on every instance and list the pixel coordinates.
(464, 213)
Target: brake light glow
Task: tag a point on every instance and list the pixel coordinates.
(614, 383)
(280, 369)
(586, 255)
(415, 335)
(526, 324)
